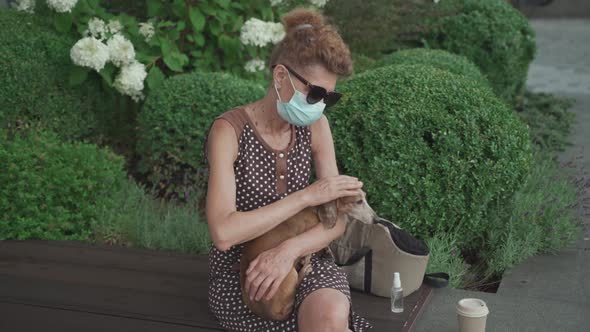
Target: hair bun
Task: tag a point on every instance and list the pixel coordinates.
(302, 18)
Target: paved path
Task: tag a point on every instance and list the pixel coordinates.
(546, 292)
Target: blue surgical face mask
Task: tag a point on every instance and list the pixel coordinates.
(298, 111)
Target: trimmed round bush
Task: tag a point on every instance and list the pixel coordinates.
(362, 63)
(379, 27)
(54, 190)
(34, 90)
(173, 125)
(432, 148)
(496, 37)
(441, 59)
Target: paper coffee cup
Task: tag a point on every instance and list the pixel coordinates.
(472, 314)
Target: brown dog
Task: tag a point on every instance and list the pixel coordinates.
(280, 306)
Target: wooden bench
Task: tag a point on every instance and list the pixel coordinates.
(71, 286)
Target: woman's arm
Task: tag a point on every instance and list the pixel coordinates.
(227, 226)
(270, 267)
(324, 158)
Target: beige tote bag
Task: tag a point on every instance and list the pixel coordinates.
(371, 253)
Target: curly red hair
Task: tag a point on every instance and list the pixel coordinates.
(319, 44)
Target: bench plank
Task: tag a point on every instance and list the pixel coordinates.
(140, 288)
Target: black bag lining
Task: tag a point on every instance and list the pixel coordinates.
(405, 241)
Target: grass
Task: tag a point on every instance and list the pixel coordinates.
(445, 256)
(542, 217)
(548, 118)
(141, 220)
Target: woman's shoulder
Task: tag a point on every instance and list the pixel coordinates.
(231, 119)
(236, 118)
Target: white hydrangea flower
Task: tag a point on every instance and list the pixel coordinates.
(62, 6)
(90, 52)
(436, 1)
(130, 80)
(146, 30)
(275, 2)
(277, 32)
(96, 28)
(259, 33)
(319, 3)
(114, 26)
(24, 6)
(121, 50)
(254, 65)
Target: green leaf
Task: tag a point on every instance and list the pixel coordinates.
(180, 26)
(153, 7)
(237, 5)
(165, 24)
(166, 46)
(63, 22)
(175, 61)
(223, 3)
(82, 7)
(127, 20)
(238, 23)
(155, 78)
(227, 44)
(199, 39)
(267, 13)
(93, 3)
(144, 57)
(78, 75)
(179, 8)
(215, 27)
(207, 9)
(107, 73)
(197, 19)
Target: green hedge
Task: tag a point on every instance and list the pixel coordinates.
(378, 27)
(440, 59)
(173, 124)
(431, 147)
(496, 37)
(54, 190)
(362, 63)
(34, 90)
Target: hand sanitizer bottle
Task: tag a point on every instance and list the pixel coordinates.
(397, 295)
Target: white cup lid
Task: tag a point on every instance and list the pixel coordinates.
(472, 308)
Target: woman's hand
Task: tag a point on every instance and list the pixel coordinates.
(267, 271)
(330, 188)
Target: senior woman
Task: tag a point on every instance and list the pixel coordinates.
(259, 158)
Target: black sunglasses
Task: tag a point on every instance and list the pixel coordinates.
(316, 93)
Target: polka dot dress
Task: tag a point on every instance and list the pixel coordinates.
(263, 176)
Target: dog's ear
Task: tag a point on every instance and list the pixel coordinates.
(328, 212)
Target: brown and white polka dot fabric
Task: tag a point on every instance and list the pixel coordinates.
(263, 176)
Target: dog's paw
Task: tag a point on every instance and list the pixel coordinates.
(307, 269)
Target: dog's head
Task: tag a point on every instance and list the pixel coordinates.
(349, 207)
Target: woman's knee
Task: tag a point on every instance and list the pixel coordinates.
(325, 309)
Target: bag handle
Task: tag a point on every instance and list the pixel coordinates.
(367, 254)
(357, 256)
(431, 279)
